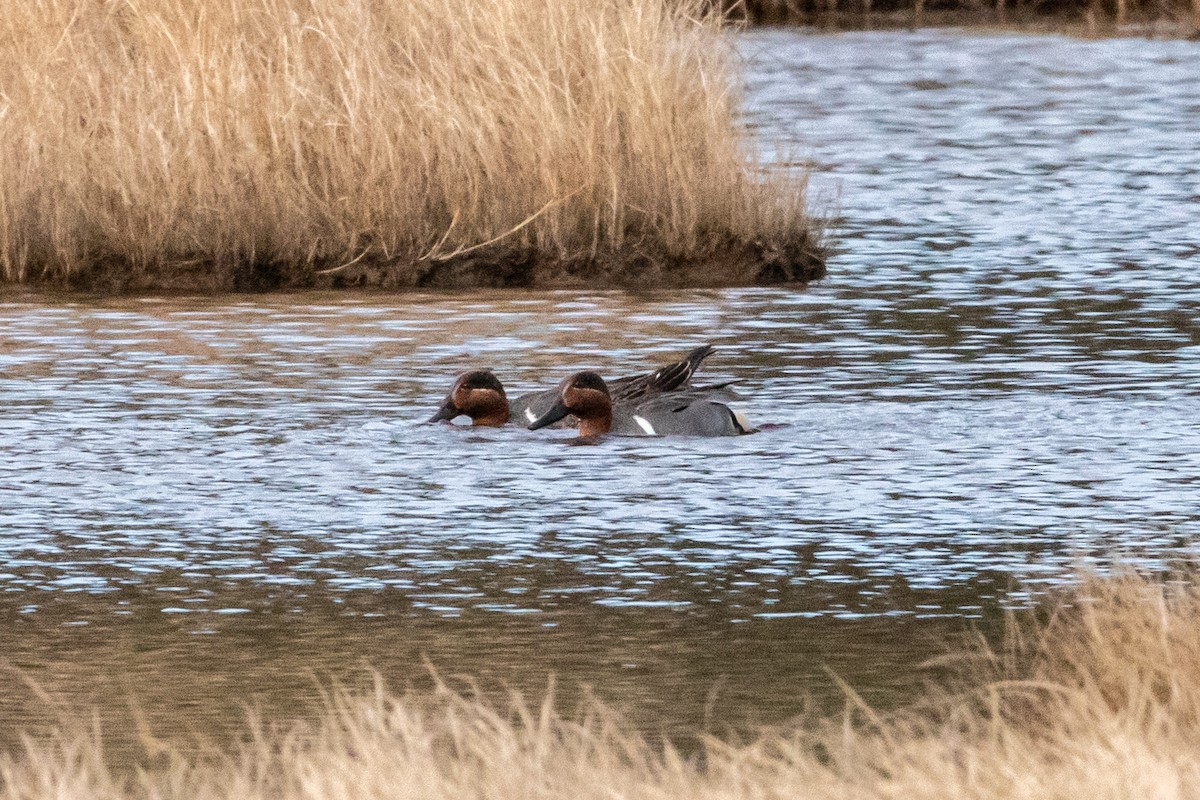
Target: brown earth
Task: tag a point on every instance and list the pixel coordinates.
(754, 263)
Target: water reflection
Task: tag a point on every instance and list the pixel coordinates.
(283, 447)
(998, 380)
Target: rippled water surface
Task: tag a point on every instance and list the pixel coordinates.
(205, 501)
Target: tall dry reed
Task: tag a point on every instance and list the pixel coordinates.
(1102, 701)
(287, 138)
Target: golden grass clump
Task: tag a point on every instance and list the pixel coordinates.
(1102, 701)
(231, 143)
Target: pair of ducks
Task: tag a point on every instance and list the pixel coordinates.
(658, 403)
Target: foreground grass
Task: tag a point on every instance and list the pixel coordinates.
(256, 143)
(1099, 700)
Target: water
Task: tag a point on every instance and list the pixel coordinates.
(204, 503)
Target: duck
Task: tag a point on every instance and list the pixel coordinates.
(684, 412)
(480, 395)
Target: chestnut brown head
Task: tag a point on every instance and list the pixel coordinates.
(478, 394)
(585, 395)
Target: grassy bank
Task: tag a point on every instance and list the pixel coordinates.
(263, 143)
(1100, 699)
(1169, 18)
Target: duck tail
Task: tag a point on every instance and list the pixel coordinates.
(673, 376)
(740, 423)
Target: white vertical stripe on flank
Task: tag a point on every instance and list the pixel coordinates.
(645, 425)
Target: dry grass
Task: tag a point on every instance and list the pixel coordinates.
(1101, 701)
(278, 139)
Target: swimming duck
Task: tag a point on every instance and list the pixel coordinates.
(480, 395)
(688, 412)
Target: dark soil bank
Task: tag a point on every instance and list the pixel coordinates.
(734, 264)
(1170, 18)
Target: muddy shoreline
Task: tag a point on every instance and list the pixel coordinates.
(754, 263)
(1089, 20)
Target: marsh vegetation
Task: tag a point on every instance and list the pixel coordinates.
(263, 143)
(1171, 18)
(1096, 694)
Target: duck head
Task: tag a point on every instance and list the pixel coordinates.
(478, 394)
(585, 395)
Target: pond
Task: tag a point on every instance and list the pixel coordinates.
(213, 503)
